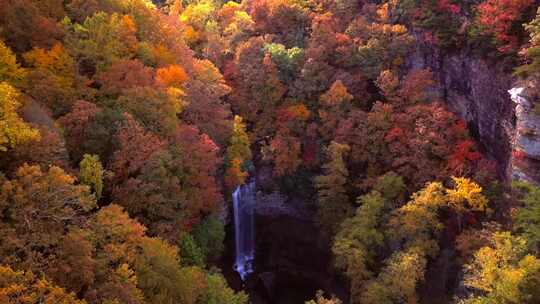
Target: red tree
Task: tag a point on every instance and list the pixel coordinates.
(136, 147)
(75, 124)
(503, 19)
(125, 74)
(200, 161)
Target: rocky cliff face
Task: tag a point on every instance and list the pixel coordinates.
(477, 91)
(525, 158)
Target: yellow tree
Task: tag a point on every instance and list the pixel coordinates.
(415, 227)
(19, 287)
(235, 175)
(416, 224)
(91, 173)
(388, 83)
(13, 130)
(398, 280)
(238, 154)
(466, 195)
(199, 17)
(503, 272)
(9, 69)
(157, 267)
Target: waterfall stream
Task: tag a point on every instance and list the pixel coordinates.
(244, 228)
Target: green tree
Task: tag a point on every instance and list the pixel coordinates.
(532, 52)
(361, 237)
(154, 109)
(288, 61)
(358, 240)
(91, 173)
(398, 280)
(158, 271)
(391, 186)
(334, 205)
(527, 218)
(101, 40)
(192, 254)
(210, 235)
(218, 292)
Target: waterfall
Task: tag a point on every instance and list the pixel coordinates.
(244, 228)
(516, 94)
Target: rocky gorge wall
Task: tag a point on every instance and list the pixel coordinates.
(525, 159)
(292, 259)
(477, 90)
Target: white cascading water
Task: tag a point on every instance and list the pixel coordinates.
(517, 97)
(244, 228)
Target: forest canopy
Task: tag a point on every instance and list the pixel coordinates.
(126, 125)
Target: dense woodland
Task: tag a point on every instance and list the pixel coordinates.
(125, 125)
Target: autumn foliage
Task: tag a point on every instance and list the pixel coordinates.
(501, 18)
(126, 125)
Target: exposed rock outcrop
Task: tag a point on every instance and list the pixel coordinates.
(477, 91)
(525, 159)
(276, 204)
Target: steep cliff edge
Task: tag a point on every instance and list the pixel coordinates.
(477, 91)
(525, 158)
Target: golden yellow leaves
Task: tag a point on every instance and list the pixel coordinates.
(13, 130)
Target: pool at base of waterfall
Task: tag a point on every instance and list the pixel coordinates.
(286, 261)
(245, 267)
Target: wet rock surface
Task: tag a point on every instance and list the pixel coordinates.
(292, 259)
